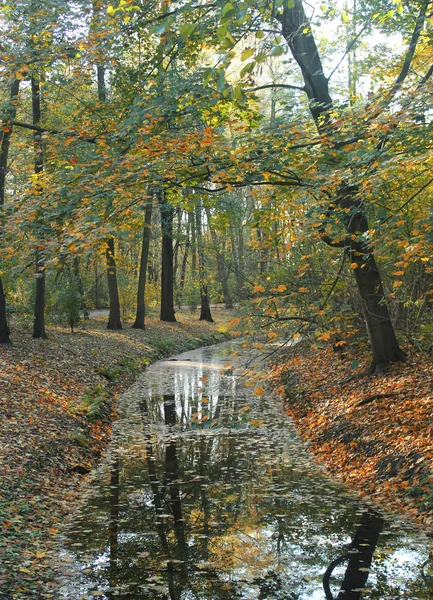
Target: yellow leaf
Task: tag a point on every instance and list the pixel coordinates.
(397, 284)
(325, 336)
(258, 288)
(259, 391)
(283, 288)
(353, 265)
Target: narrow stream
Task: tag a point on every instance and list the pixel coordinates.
(207, 493)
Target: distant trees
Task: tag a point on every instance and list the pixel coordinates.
(253, 162)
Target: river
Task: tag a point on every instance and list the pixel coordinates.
(207, 493)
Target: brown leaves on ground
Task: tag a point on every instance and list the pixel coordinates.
(56, 406)
(375, 433)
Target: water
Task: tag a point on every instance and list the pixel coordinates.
(207, 493)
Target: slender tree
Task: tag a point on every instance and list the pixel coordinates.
(5, 134)
(141, 290)
(205, 312)
(39, 309)
(167, 216)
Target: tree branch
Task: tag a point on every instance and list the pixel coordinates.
(90, 140)
(286, 86)
(410, 51)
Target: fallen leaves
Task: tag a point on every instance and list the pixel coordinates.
(45, 432)
(375, 433)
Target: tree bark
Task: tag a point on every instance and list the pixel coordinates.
(6, 133)
(114, 320)
(167, 288)
(384, 344)
(185, 259)
(39, 308)
(141, 291)
(221, 266)
(205, 312)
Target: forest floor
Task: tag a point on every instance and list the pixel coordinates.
(57, 404)
(373, 433)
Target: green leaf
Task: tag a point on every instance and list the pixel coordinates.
(278, 51)
(247, 53)
(186, 30)
(290, 3)
(159, 29)
(237, 92)
(344, 17)
(247, 69)
(227, 11)
(222, 30)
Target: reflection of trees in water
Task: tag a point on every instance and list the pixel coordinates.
(217, 512)
(358, 557)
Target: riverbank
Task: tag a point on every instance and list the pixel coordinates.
(375, 434)
(57, 401)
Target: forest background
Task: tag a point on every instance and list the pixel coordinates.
(282, 157)
(269, 156)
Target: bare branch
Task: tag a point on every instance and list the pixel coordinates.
(90, 140)
(286, 86)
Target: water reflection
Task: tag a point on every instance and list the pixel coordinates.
(208, 494)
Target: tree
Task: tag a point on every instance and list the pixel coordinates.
(167, 216)
(39, 312)
(296, 30)
(6, 133)
(141, 289)
(205, 312)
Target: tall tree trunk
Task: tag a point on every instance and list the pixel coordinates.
(384, 344)
(79, 280)
(5, 134)
(39, 308)
(185, 259)
(141, 291)
(205, 313)
(167, 301)
(114, 320)
(237, 262)
(221, 266)
(177, 244)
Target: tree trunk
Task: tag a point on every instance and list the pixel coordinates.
(79, 280)
(141, 291)
(114, 320)
(205, 313)
(39, 308)
(6, 133)
(221, 266)
(167, 301)
(184, 260)
(4, 328)
(237, 262)
(381, 333)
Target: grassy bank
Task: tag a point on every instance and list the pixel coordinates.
(57, 401)
(376, 434)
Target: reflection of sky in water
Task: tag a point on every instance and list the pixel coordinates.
(219, 500)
